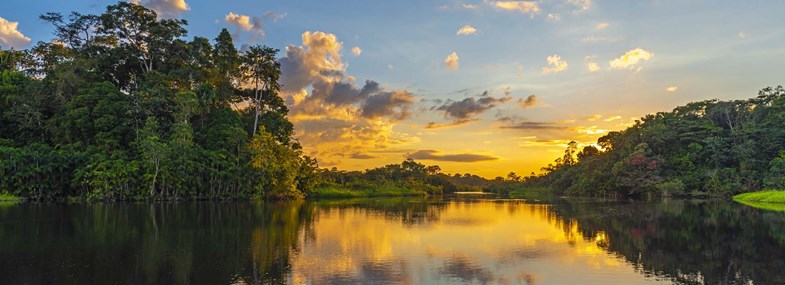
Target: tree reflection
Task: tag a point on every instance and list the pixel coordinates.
(697, 242)
(209, 243)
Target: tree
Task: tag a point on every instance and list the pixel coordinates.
(153, 151)
(276, 167)
(261, 70)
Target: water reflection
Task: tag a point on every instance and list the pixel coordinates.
(392, 241)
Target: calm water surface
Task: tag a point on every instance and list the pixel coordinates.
(475, 240)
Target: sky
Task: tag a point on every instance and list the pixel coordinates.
(486, 87)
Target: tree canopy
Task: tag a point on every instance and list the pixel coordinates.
(121, 105)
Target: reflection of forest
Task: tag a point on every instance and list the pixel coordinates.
(691, 242)
(205, 243)
(256, 243)
(169, 243)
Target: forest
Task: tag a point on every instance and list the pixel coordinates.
(707, 148)
(120, 106)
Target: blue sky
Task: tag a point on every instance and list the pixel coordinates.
(686, 50)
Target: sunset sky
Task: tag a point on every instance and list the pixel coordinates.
(486, 87)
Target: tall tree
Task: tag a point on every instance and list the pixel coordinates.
(261, 71)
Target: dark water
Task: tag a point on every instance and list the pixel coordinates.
(393, 241)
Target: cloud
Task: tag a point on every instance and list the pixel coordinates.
(631, 58)
(601, 26)
(333, 115)
(591, 65)
(469, 6)
(252, 24)
(612, 118)
(582, 5)
(394, 105)
(553, 17)
(456, 123)
(741, 35)
(528, 125)
(466, 30)
(529, 102)
(514, 122)
(358, 155)
(469, 107)
(430, 154)
(525, 7)
(451, 61)
(593, 117)
(672, 88)
(357, 51)
(10, 37)
(165, 8)
(555, 64)
(242, 21)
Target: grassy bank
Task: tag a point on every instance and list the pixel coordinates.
(768, 200)
(360, 191)
(8, 198)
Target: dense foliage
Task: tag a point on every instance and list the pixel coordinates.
(407, 178)
(120, 105)
(704, 148)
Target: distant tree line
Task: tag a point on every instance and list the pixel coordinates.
(120, 105)
(710, 147)
(409, 174)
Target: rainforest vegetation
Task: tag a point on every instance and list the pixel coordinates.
(120, 106)
(708, 148)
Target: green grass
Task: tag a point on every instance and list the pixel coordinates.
(385, 190)
(8, 198)
(768, 200)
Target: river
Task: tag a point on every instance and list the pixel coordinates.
(447, 240)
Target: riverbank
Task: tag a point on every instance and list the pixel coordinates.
(768, 200)
(361, 191)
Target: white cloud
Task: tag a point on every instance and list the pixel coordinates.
(525, 7)
(469, 6)
(10, 37)
(466, 30)
(451, 61)
(741, 35)
(672, 88)
(591, 65)
(242, 21)
(631, 58)
(357, 51)
(166, 8)
(553, 17)
(583, 5)
(601, 26)
(555, 64)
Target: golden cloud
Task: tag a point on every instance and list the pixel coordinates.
(631, 58)
(242, 21)
(672, 88)
(555, 64)
(11, 37)
(165, 8)
(525, 7)
(466, 30)
(357, 51)
(451, 61)
(332, 115)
